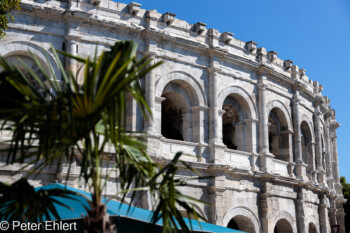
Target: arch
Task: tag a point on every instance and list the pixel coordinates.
(244, 212)
(312, 224)
(280, 141)
(24, 47)
(306, 146)
(187, 81)
(281, 106)
(309, 121)
(243, 97)
(176, 112)
(285, 217)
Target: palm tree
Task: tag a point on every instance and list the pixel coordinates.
(71, 122)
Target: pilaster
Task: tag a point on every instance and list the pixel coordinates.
(214, 121)
(265, 157)
(150, 80)
(328, 155)
(72, 48)
(323, 215)
(300, 211)
(340, 214)
(319, 163)
(217, 149)
(265, 208)
(131, 113)
(313, 172)
(300, 164)
(199, 113)
(334, 125)
(216, 200)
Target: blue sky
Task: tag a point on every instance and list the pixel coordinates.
(315, 34)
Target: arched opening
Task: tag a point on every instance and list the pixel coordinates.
(241, 223)
(312, 228)
(176, 113)
(13, 95)
(283, 226)
(278, 135)
(234, 129)
(306, 147)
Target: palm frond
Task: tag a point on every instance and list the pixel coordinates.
(21, 202)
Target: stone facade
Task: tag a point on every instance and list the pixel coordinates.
(256, 122)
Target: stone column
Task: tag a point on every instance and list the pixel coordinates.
(131, 116)
(322, 212)
(313, 173)
(157, 116)
(150, 82)
(339, 199)
(300, 165)
(250, 137)
(291, 164)
(300, 211)
(187, 130)
(338, 187)
(250, 140)
(319, 165)
(214, 121)
(263, 118)
(154, 133)
(216, 146)
(340, 214)
(217, 150)
(216, 200)
(72, 45)
(199, 113)
(266, 207)
(332, 211)
(329, 169)
(265, 157)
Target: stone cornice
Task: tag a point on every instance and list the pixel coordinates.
(225, 47)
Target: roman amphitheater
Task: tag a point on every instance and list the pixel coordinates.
(255, 122)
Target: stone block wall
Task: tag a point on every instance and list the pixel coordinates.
(255, 122)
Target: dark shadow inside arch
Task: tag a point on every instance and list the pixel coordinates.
(306, 146)
(312, 228)
(234, 128)
(12, 94)
(278, 135)
(283, 226)
(233, 225)
(172, 118)
(177, 116)
(241, 223)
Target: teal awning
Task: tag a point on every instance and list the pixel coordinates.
(124, 217)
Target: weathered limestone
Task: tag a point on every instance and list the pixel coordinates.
(263, 178)
(300, 165)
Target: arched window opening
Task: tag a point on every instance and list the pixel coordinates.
(233, 225)
(176, 113)
(172, 119)
(233, 126)
(306, 147)
(241, 223)
(312, 228)
(13, 95)
(278, 135)
(283, 226)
